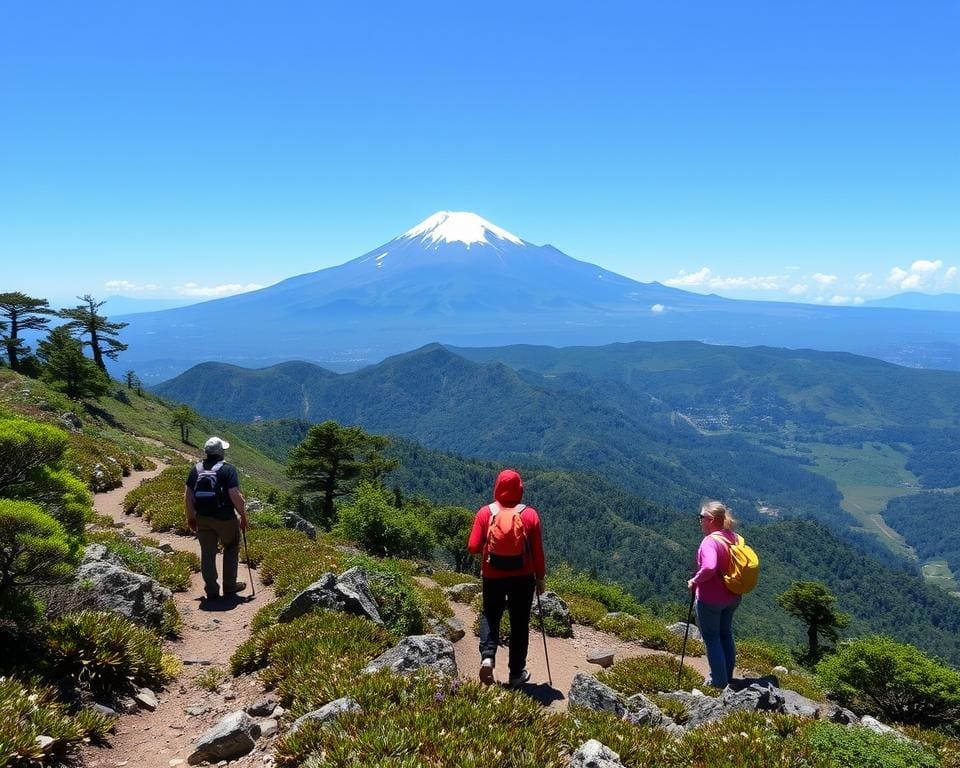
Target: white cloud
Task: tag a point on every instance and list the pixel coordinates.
(129, 287)
(700, 277)
(798, 290)
(924, 267)
(658, 308)
(216, 291)
(840, 299)
(950, 275)
(823, 279)
(704, 277)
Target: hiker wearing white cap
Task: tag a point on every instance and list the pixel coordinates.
(212, 501)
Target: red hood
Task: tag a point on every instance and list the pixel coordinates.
(508, 490)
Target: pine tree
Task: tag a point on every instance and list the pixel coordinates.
(22, 313)
(333, 459)
(68, 368)
(812, 603)
(102, 333)
(184, 417)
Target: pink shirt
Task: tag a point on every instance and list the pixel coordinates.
(713, 559)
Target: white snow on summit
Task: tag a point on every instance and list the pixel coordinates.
(458, 226)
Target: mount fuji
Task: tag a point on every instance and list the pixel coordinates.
(459, 279)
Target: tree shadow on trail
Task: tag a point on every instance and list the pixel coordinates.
(542, 693)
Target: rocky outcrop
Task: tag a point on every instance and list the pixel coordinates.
(117, 590)
(555, 609)
(326, 713)
(415, 652)
(593, 754)
(234, 736)
(463, 593)
(588, 692)
(680, 628)
(349, 593)
(293, 521)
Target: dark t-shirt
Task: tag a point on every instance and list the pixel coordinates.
(227, 477)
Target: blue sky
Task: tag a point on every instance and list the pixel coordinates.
(801, 150)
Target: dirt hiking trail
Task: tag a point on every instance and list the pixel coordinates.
(212, 631)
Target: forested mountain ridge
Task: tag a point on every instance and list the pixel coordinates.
(490, 411)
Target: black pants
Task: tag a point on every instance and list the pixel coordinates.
(515, 593)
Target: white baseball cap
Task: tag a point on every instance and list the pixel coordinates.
(215, 446)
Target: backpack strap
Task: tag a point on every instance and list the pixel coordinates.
(216, 467)
(199, 467)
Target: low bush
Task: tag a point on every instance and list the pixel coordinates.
(104, 652)
(291, 561)
(171, 570)
(30, 710)
(171, 625)
(649, 632)
(565, 581)
(100, 464)
(159, 500)
(892, 680)
(452, 578)
(371, 520)
(844, 747)
(584, 610)
(651, 674)
(210, 679)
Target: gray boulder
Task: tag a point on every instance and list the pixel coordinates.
(588, 692)
(94, 553)
(553, 608)
(326, 713)
(601, 656)
(234, 736)
(593, 754)
(451, 628)
(349, 593)
(71, 422)
(463, 593)
(876, 726)
(680, 627)
(117, 590)
(755, 697)
(415, 652)
(293, 521)
(642, 711)
(264, 706)
(795, 704)
(837, 714)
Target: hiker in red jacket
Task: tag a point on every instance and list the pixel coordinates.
(507, 533)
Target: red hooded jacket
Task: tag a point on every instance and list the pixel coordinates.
(508, 491)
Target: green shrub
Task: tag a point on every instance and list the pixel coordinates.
(451, 578)
(893, 680)
(174, 570)
(171, 625)
(267, 518)
(316, 658)
(36, 550)
(433, 603)
(585, 610)
(760, 657)
(28, 711)
(843, 747)
(372, 521)
(563, 580)
(650, 632)
(159, 500)
(171, 570)
(289, 560)
(100, 464)
(650, 674)
(210, 679)
(104, 652)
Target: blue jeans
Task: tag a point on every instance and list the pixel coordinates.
(716, 627)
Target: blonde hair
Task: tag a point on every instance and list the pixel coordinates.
(718, 511)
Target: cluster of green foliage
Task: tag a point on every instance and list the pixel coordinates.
(159, 500)
(812, 603)
(289, 560)
(651, 674)
(649, 631)
(382, 529)
(452, 578)
(892, 680)
(920, 520)
(31, 710)
(104, 652)
(210, 679)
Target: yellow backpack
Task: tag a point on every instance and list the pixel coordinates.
(744, 570)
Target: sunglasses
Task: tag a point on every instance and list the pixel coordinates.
(705, 517)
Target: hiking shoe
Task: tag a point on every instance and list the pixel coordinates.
(238, 587)
(486, 671)
(517, 680)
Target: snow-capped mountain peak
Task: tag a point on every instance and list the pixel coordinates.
(458, 226)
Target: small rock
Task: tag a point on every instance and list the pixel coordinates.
(167, 549)
(234, 736)
(463, 593)
(680, 629)
(779, 671)
(229, 696)
(326, 713)
(601, 656)
(128, 706)
(263, 707)
(103, 709)
(197, 662)
(269, 728)
(197, 709)
(176, 761)
(147, 699)
(593, 754)
(44, 742)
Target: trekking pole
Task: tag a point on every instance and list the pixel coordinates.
(543, 631)
(686, 634)
(246, 556)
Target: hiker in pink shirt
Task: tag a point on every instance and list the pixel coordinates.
(715, 604)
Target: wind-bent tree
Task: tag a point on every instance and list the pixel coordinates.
(332, 460)
(21, 313)
(184, 417)
(812, 603)
(102, 334)
(67, 368)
